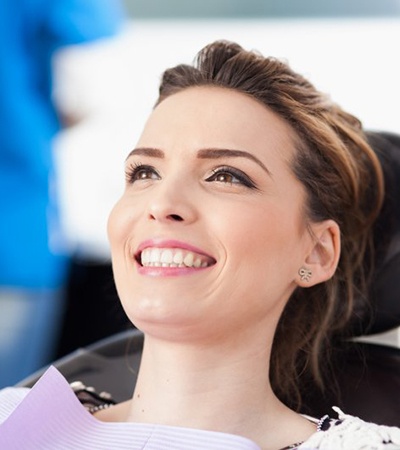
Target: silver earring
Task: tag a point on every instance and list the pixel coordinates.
(305, 274)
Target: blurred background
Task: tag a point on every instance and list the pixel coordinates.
(347, 48)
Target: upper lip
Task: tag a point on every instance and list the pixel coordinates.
(169, 243)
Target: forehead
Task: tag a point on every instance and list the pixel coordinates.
(214, 116)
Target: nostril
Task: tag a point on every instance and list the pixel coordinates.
(175, 217)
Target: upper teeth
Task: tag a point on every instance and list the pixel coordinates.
(172, 257)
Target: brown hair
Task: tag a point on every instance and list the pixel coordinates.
(343, 180)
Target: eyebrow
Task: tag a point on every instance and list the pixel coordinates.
(206, 153)
(147, 151)
(217, 153)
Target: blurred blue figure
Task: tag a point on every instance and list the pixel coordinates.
(33, 257)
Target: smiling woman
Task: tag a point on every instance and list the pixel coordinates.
(209, 196)
(239, 248)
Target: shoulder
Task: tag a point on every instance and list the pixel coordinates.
(10, 398)
(352, 433)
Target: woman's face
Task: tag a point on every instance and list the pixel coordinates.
(210, 232)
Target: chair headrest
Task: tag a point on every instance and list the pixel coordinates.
(385, 287)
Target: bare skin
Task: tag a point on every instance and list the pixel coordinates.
(243, 404)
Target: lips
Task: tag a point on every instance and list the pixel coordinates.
(173, 257)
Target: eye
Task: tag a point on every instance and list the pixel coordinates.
(231, 175)
(141, 172)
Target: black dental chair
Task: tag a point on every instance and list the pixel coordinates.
(368, 373)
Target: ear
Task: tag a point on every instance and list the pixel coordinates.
(323, 257)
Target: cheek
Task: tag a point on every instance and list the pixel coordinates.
(253, 228)
(119, 225)
(267, 241)
(119, 229)
(116, 231)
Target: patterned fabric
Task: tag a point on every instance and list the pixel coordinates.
(352, 433)
(90, 399)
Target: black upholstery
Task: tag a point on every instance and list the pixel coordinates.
(110, 365)
(368, 374)
(368, 381)
(386, 286)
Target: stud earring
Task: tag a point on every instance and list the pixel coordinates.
(305, 274)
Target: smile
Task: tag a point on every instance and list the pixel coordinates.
(173, 257)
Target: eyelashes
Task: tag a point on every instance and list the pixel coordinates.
(138, 171)
(231, 175)
(224, 175)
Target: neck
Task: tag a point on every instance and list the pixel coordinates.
(221, 387)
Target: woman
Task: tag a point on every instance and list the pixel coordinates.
(238, 248)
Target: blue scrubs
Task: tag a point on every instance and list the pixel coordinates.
(33, 257)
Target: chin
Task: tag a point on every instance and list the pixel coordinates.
(156, 312)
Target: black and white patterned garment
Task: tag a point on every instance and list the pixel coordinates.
(351, 433)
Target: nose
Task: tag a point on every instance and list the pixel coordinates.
(172, 204)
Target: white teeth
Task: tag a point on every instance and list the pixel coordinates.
(145, 258)
(166, 256)
(169, 257)
(188, 260)
(178, 257)
(154, 255)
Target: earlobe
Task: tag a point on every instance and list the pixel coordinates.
(305, 273)
(321, 262)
